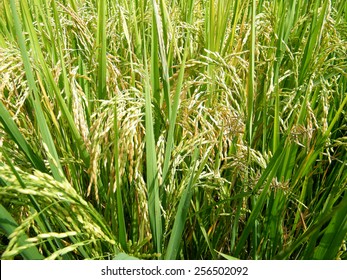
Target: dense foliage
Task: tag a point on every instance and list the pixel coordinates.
(173, 129)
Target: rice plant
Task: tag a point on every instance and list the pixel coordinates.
(173, 129)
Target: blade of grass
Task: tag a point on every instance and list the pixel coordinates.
(236, 13)
(158, 39)
(8, 225)
(341, 207)
(251, 85)
(12, 129)
(264, 181)
(183, 207)
(101, 44)
(313, 40)
(227, 257)
(155, 76)
(334, 235)
(123, 257)
(45, 133)
(120, 212)
(174, 111)
(151, 162)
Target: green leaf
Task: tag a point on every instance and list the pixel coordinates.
(334, 234)
(8, 225)
(227, 257)
(124, 256)
(12, 129)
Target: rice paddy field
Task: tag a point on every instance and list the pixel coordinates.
(173, 129)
